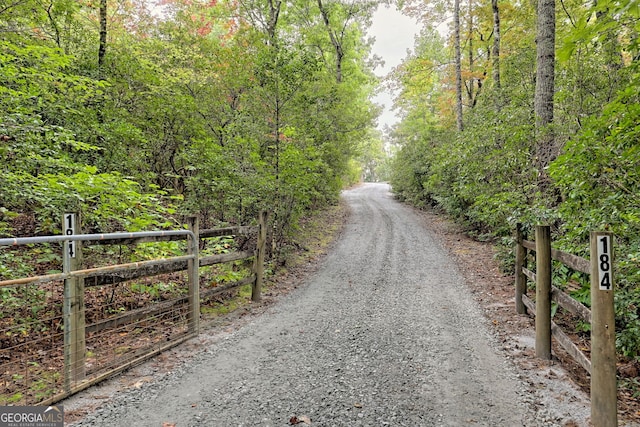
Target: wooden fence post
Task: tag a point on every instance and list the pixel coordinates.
(604, 411)
(193, 276)
(543, 292)
(521, 281)
(256, 289)
(73, 305)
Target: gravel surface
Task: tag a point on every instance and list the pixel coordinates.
(384, 334)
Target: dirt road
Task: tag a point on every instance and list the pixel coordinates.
(384, 334)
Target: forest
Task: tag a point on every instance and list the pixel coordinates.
(527, 112)
(137, 113)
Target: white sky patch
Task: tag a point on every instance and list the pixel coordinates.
(394, 34)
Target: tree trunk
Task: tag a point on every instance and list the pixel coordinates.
(274, 14)
(458, 59)
(545, 86)
(495, 52)
(102, 49)
(102, 52)
(471, 84)
(335, 41)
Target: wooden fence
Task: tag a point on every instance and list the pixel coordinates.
(56, 354)
(602, 365)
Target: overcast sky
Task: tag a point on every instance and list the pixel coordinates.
(394, 34)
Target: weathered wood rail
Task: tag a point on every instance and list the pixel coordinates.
(76, 335)
(602, 365)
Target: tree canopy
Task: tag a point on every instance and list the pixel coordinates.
(132, 109)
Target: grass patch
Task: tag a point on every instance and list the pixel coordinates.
(240, 298)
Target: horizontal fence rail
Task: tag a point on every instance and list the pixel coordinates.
(65, 331)
(602, 364)
(153, 236)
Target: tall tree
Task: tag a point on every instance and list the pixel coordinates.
(458, 62)
(102, 48)
(495, 51)
(337, 36)
(545, 87)
(261, 17)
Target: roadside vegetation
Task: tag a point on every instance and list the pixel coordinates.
(493, 162)
(138, 113)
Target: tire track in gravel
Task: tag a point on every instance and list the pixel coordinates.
(384, 334)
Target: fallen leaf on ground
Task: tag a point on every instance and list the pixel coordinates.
(299, 420)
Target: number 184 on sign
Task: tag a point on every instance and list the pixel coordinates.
(605, 278)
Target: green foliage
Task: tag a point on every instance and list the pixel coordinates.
(583, 295)
(481, 177)
(601, 192)
(24, 306)
(156, 290)
(628, 320)
(191, 113)
(598, 176)
(485, 176)
(108, 202)
(14, 265)
(156, 250)
(202, 110)
(410, 171)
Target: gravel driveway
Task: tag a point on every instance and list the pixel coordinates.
(384, 334)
